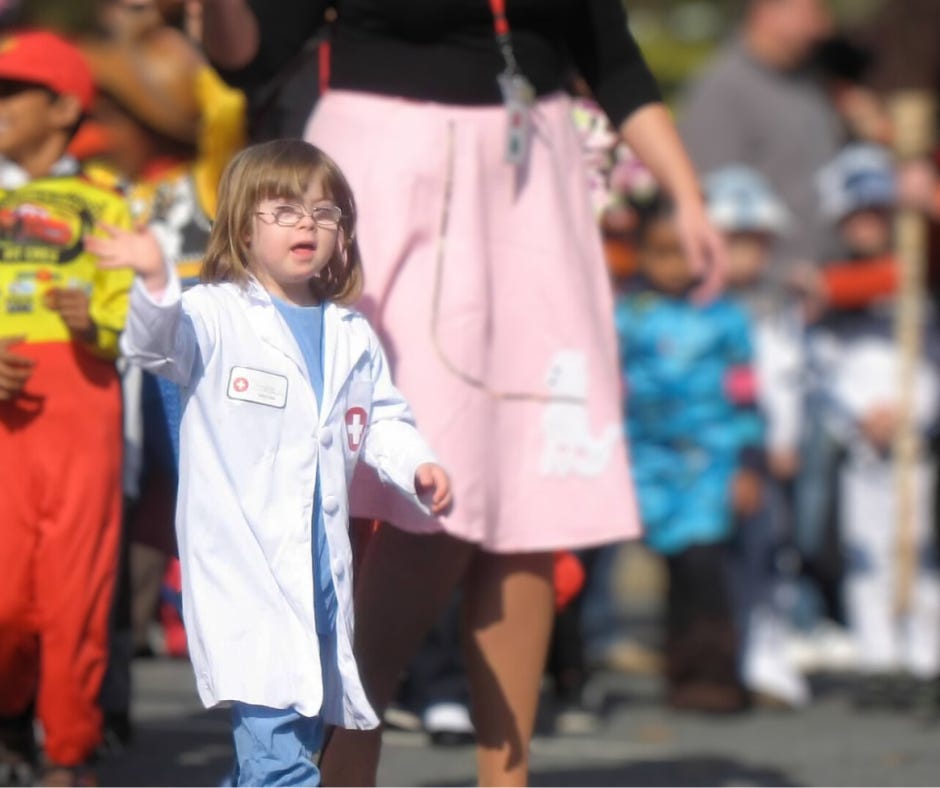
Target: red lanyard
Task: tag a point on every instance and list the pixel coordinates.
(501, 27)
(500, 23)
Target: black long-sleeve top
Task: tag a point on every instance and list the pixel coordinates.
(445, 50)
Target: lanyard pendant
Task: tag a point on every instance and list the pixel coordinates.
(518, 97)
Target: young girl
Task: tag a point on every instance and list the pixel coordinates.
(284, 389)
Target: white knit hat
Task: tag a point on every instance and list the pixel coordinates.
(740, 200)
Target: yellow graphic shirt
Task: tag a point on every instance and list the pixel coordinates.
(43, 225)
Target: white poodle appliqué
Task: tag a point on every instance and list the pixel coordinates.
(569, 447)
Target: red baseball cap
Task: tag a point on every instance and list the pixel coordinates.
(45, 59)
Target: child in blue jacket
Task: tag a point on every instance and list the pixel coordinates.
(695, 437)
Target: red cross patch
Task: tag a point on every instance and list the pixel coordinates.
(355, 427)
(240, 384)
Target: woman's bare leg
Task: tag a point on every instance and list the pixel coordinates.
(403, 585)
(508, 609)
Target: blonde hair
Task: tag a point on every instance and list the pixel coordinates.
(282, 169)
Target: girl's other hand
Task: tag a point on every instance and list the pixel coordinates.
(135, 249)
(432, 480)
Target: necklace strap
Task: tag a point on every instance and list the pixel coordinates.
(503, 34)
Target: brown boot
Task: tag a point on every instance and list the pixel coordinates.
(707, 697)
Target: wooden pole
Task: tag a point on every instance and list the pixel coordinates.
(913, 113)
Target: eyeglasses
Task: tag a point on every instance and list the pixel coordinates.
(325, 217)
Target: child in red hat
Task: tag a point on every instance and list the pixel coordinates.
(60, 415)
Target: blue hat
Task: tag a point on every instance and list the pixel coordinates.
(740, 200)
(860, 177)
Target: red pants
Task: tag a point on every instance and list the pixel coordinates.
(60, 511)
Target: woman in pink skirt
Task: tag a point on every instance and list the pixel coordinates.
(485, 279)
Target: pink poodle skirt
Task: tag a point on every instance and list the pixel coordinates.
(488, 288)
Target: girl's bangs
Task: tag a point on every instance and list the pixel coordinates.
(289, 180)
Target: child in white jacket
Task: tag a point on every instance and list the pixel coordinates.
(857, 365)
(284, 390)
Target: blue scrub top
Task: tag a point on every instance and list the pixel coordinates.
(306, 324)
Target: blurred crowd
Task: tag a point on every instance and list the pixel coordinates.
(797, 532)
(795, 529)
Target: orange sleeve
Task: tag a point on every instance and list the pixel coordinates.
(850, 285)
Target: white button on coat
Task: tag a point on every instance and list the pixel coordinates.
(243, 519)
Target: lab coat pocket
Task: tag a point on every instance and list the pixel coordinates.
(253, 431)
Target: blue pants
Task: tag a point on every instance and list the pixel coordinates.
(275, 746)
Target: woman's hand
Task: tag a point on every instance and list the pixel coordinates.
(432, 481)
(704, 248)
(135, 249)
(651, 134)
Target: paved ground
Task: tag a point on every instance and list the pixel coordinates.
(639, 743)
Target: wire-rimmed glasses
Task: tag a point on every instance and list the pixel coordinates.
(326, 217)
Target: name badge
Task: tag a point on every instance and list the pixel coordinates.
(518, 97)
(255, 385)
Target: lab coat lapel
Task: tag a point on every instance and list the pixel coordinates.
(267, 323)
(341, 351)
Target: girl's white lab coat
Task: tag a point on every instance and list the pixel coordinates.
(252, 442)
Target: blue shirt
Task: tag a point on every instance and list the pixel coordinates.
(306, 324)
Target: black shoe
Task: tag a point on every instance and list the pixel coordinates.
(17, 749)
(925, 705)
(15, 770)
(876, 691)
(904, 691)
(117, 733)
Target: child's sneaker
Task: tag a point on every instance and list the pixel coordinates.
(574, 718)
(827, 647)
(772, 681)
(448, 723)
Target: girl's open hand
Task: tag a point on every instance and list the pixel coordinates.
(432, 481)
(135, 249)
